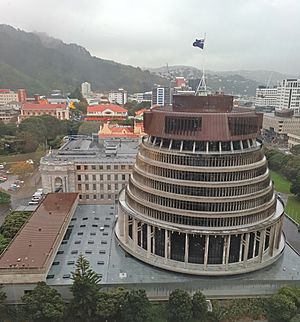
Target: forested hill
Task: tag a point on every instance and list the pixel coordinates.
(40, 63)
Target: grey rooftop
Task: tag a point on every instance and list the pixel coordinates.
(91, 233)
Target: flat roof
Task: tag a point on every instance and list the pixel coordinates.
(92, 235)
(89, 150)
(34, 243)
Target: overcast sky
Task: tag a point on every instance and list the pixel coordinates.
(241, 34)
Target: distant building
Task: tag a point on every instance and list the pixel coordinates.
(282, 122)
(139, 115)
(141, 97)
(266, 97)
(95, 168)
(293, 139)
(119, 97)
(180, 82)
(42, 107)
(161, 96)
(105, 112)
(121, 131)
(9, 111)
(288, 94)
(86, 89)
(7, 96)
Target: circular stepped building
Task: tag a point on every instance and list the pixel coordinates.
(200, 199)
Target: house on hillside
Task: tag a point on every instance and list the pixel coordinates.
(106, 112)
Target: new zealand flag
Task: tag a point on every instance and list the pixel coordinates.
(199, 43)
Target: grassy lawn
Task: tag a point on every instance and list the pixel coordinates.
(293, 208)
(281, 183)
(35, 156)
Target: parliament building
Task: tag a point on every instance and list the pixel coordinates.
(200, 199)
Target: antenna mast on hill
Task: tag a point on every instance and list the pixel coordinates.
(201, 89)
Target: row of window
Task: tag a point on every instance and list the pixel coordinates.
(101, 177)
(116, 187)
(217, 207)
(201, 146)
(199, 176)
(88, 167)
(200, 221)
(231, 160)
(98, 196)
(200, 190)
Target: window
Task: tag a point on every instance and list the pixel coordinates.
(86, 186)
(116, 177)
(108, 167)
(108, 177)
(86, 177)
(94, 177)
(123, 177)
(122, 167)
(79, 177)
(79, 186)
(101, 176)
(115, 167)
(94, 186)
(78, 167)
(95, 196)
(93, 167)
(108, 187)
(85, 167)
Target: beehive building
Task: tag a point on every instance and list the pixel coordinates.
(200, 199)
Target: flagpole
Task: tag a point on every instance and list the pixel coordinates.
(201, 89)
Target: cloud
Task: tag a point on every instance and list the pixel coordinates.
(241, 34)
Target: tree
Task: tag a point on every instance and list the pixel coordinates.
(85, 289)
(4, 197)
(199, 306)
(110, 303)
(36, 127)
(44, 304)
(88, 128)
(3, 243)
(3, 309)
(12, 223)
(136, 307)
(76, 94)
(21, 168)
(295, 186)
(280, 308)
(296, 149)
(180, 306)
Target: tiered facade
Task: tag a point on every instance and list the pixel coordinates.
(200, 199)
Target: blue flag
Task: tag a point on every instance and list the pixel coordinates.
(199, 43)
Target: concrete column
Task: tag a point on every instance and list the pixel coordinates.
(148, 240)
(181, 146)
(125, 227)
(206, 250)
(153, 240)
(227, 251)
(224, 250)
(170, 145)
(271, 240)
(254, 245)
(167, 245)
(241, 248)
(206, 147)
(134, 233)
(262, 240)
(231, 146)
(186, 248)
(241, 143)
(194, 146)
(220, 147)
(246, 248)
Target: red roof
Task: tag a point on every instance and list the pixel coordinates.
(34, 244)
(34, 106)
(103, 107)
(4, 90)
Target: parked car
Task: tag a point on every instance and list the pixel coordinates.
(32, 203)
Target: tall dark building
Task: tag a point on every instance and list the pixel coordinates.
(200, 199)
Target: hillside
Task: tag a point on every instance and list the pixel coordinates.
(231, 82)
(41, 63)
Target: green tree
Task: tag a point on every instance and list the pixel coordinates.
(36, 127)
(180, 306)
(13, 222)
(296, 149)
(3, 243)
(76, 94)
(295, 186)
(110, 303)
(296, 318)
(4, 197)
(3, 308)
(199, 306)
(88, 128)
(136, 307)
(281, 308)
(53, 126)
(44, 304)
(85, 289)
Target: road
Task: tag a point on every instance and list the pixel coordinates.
(291, 233)
(23, 195)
